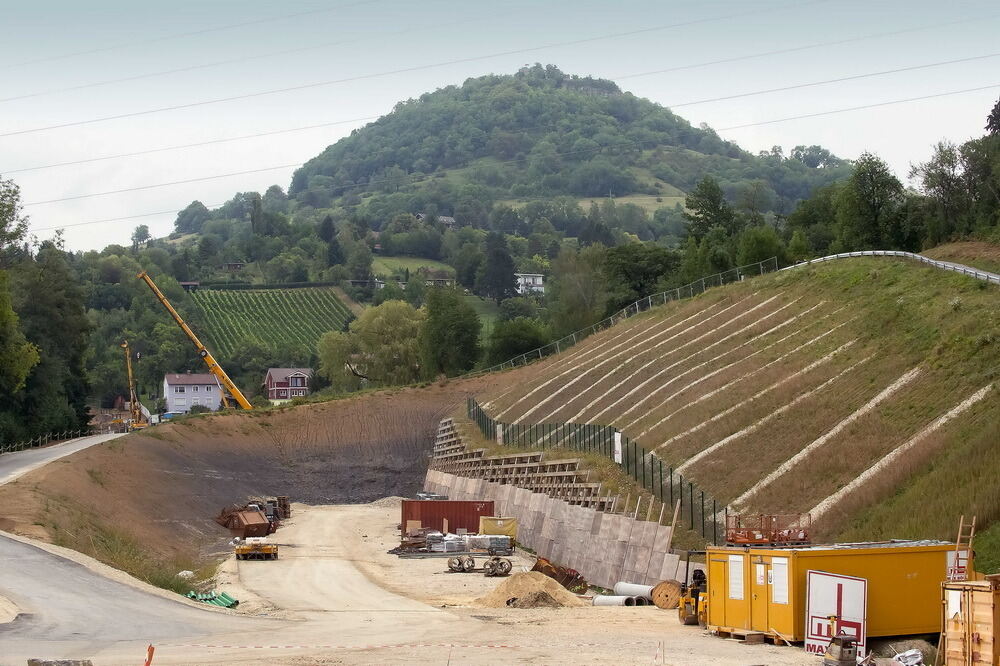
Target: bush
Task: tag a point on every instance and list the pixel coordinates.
(198, 409)
(517, 336)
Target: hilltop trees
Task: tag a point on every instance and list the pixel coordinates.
(495, 277)
(707, 207)
(13, 224)
(17, 355)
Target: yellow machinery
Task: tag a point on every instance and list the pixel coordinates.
(133, 397)
(213, 365)
(253, 549)
(692, 607)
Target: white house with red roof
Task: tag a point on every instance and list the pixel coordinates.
(183, 391)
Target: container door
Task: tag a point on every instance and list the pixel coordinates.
(717, 586)
(760, 568)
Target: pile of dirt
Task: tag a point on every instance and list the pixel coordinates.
(388, 502)
(529, 590)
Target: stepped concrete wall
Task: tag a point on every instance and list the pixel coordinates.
(604, 547)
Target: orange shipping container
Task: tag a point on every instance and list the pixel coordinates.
(433, 513)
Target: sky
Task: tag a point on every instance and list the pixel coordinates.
(67, 68)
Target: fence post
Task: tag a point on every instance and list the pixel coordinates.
(702, 514)
(670, 471)
(715, 526)
(691, 502)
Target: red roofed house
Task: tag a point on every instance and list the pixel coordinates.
(181, 392)
(283, 384)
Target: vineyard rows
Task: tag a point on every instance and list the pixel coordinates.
(275, 317)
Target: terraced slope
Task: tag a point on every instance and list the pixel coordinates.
(275, 317)
(824, 389)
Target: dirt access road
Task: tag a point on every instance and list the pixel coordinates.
(334, 597)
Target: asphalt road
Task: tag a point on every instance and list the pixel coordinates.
(65, 607)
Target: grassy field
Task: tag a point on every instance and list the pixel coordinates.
(978, 254)
(274, 317)
(487, 310)
(387, 266)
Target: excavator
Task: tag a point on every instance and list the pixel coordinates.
(137, 422)
(213, 365)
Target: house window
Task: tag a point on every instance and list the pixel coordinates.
(180, 389)
(282, 393)
(209, 388)
(180, 402)
(194, 388)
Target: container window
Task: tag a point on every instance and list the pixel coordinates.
(779, 590)
(735, 576)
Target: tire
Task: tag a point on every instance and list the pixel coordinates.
(468, 564)
(455, 564)
(503, 567)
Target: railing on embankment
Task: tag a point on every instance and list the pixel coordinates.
(42, 440)
(699, 510)
(986, 276)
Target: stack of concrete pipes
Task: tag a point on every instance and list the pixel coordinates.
(604, 547)
(627, 594)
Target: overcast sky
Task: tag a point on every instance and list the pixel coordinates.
(236, 47)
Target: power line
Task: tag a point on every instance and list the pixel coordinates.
(859, 108)
(230, 61)
(190, 33)
(190, 145)
(404, 70)
(150, 187)
(837, 80)
(804, 47)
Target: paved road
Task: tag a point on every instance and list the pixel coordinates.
(65, 608)
(13, 465)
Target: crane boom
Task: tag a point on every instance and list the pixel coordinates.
(213, 365)
(133, 396)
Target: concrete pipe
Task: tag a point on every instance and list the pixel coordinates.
(613, 600)
(634, 590)
(642, 601)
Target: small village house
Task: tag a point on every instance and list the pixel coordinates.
(530, 283)
(283, 384)
(183, 391)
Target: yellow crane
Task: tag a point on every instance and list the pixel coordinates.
(133, 396)
(213, 365)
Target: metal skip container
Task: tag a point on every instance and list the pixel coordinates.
(433, 514)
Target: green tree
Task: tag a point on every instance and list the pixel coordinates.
(634, 270)
(868, 206)
(13, 224)
(327, 230)
(942, 179)
(760, 243)
(191, 219)
(17, 355)
(993, 120)
(798, 246)
(449, 338)
(381, 348)
(515, 337)
(140, 236)
(359, 262)
(495, 278)
(519, 306)
(577, 291)
(707, 207)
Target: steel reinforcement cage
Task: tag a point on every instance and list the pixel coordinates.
(698, 510)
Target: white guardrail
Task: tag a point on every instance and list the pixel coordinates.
(943, 265)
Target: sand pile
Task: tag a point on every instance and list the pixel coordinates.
(529, 590)
(391, 501)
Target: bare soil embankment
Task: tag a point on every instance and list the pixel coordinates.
(144, 503)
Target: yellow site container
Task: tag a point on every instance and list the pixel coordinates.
(764, 589)
(495, 525)
(971, 612)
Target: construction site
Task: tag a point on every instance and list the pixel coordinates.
(737, 477)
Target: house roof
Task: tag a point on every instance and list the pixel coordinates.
(190, 378)
(281, 374)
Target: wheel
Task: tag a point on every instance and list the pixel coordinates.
(489, 569)
(455, 563)
(503, 567)
(468, 563)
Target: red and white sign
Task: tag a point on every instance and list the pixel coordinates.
(958, 568)
(835, 604)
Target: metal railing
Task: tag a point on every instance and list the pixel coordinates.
(698, 510)
(42, 440)
(943, 265)
(643, 304)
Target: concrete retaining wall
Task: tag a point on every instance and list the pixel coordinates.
(606, 548)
